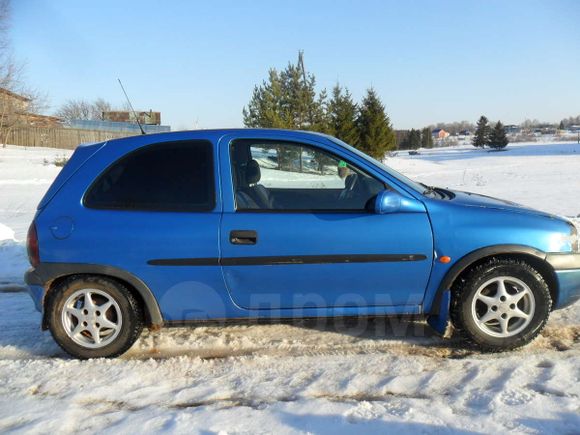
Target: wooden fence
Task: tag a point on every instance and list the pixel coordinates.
(65, 138)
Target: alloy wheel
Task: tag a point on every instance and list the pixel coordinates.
(503, 307)
(91, 318)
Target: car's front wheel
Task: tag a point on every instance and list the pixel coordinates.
(93, 317)
(502, 304)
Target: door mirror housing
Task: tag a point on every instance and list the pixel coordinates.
(389, 201)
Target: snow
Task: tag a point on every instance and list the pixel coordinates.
(316, 376)
(545, 176)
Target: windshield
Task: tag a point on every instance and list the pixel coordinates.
(419, 188)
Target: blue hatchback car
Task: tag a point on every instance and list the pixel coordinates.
(188, 227)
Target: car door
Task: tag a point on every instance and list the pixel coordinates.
(297, 232)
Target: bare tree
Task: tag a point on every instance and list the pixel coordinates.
(8, 74)
(99, 106)
(83, 110)
(16, 101)
(75, 109)
(4, 20)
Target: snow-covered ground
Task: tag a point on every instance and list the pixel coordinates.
(545, 176)
(25, 174)
(313, 376)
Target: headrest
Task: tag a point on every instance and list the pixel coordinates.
(253, 173)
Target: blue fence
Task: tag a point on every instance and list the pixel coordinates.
(128, 127)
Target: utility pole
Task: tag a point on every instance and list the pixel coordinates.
(301, 63)
(310, 115)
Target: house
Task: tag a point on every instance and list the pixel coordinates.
(512, 129)
(145, 118)
(15, 111)
(439, 133)
(17, 102)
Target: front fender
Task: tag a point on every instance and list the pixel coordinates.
(471, 258)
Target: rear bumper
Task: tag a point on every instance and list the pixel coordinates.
(567, 268)
(36, 292)
(35, 287)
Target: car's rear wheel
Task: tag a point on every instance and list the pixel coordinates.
(502, 304)
(93, 317)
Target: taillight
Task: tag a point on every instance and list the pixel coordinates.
(32, 246)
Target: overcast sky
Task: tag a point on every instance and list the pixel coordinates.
(197, 62)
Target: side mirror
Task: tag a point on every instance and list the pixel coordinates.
(389, 201)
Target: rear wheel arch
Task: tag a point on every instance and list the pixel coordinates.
(531, 256)
(146, 299)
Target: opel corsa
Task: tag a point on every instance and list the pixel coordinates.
(189, 227)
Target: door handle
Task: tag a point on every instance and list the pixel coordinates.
(243, 237)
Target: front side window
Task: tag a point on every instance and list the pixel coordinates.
(173, 176)
(270, 175)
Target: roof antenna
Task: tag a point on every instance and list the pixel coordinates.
(131, 106)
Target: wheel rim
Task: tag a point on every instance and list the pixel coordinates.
(503, 306)
(92, 318)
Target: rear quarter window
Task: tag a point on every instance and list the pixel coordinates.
(170, 176)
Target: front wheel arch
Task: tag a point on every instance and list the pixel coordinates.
(532, 256)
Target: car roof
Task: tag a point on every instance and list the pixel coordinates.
(215, 134)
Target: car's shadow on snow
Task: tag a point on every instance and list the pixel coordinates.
(22, 338)
(332, 336)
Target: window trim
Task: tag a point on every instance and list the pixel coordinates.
(184, 209)
(296, 211)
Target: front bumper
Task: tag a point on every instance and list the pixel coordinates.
(567, 268)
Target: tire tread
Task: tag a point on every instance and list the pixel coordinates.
(136, 322)
(461, 288)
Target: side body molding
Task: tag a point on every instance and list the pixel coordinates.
(45, 273)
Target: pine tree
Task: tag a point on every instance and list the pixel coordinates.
(561, 126)
(342, 116)
(412, 140)
(498, 139)
(376, 134)
(265, 109)
(426, 138)
(288, 99)
(482, 133)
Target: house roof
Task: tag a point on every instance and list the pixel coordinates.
(41, 117)
(13, 95)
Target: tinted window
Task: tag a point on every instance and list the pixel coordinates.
(174, 176)
(271, 175)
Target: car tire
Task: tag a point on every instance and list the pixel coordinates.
(501, 304)
(93, 317)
